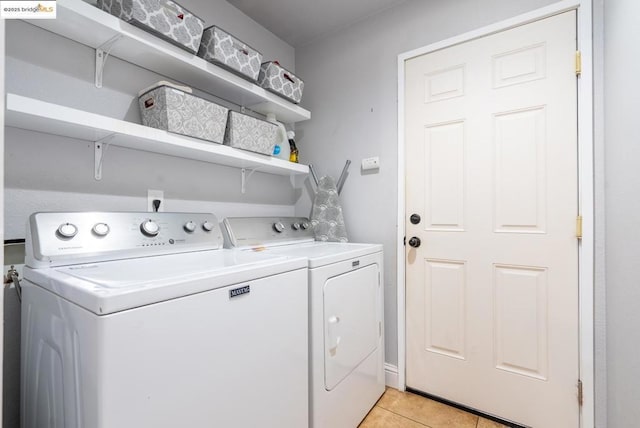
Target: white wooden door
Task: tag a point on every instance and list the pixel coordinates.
(491, 161)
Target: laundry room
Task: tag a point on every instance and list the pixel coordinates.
(297, 213)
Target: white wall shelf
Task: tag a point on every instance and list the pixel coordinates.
(86, 24)
(36, 115)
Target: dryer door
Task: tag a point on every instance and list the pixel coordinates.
(351, 322)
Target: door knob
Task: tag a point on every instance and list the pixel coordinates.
(414, 219)
(415, 242)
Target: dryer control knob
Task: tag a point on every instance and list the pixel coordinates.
(101, 229)
(189, 227)
(67, 230)
(150, 228)
(207, 226)
(296, 226)
(305, 225)
(278, 227)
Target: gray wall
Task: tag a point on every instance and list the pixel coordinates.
(46, 172)
(351, 89)
(622, 110)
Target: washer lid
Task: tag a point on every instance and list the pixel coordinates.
(114, 286)
(325, 253)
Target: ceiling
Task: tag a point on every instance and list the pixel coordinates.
(300, 22)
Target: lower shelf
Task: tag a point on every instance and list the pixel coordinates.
(36, 115)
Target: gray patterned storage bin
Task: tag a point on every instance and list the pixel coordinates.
(174, 110)
(220, 47)
(248, 133)
(277, 79)
(162, 18)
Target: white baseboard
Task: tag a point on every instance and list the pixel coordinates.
(391, 375)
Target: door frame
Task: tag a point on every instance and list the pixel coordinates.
(586, 186)
(2, 102)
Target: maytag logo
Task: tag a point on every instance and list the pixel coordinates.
(355, 264)
(239, 291)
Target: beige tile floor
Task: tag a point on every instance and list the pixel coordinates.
(397, 409)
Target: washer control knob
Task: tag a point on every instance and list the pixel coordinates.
(305, 225)
(150, 228)
(189, 227)
(207, 226)
(296, 226)
(278, 227)
(67, 230)
(101, 229)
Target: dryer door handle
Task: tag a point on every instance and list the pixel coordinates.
(334, 339)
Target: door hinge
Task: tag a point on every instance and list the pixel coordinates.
(578, 63)
(404, 241)
(580, 394)
(579, 227)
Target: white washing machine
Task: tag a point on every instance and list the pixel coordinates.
(346, 314)
(142, 320)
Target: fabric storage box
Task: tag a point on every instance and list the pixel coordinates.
(248, 133)
(174, 109)
(277, 79)
(219, 47)
(162, 18)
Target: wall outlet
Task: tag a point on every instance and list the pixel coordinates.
(153, 195)
(370, 163)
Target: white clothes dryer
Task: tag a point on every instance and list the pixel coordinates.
(142, 320)
(346, 314)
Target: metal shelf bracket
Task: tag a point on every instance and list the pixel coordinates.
(99, 150)
(102, 54)
(246, 177)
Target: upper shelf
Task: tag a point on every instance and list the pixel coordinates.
(93, 27)
(36, 115)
